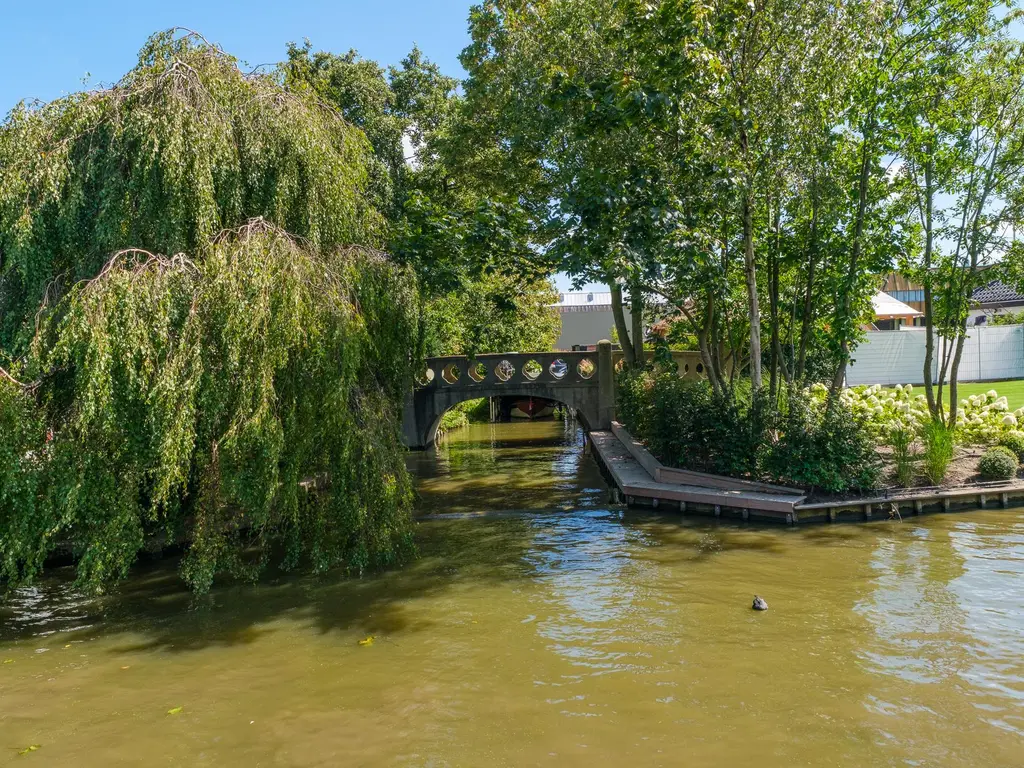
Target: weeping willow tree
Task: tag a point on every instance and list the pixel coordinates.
(190, 348)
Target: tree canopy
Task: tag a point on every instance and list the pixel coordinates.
(199, 342)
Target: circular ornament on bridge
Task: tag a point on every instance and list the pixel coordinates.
(532, 370)
(504, 370)
(425, 377)
(451, 373)
(478, 372)
(620, 365)
(558, 369)
(585, 368)
(700, 367)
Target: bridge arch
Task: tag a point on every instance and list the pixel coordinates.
(582, 414)
(583, 381)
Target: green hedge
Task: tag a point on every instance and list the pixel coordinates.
(686, 424)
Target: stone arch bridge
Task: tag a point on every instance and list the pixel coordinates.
(584, 381)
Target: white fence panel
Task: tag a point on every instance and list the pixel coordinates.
(888, 357)
(997, 352)
(897, 357)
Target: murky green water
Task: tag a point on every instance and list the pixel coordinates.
(556, 632)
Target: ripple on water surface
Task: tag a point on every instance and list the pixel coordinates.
(542, 626)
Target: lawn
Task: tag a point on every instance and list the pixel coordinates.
(1013, 390)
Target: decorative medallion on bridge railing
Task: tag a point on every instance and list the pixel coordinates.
(620, 364)
(558, 369)
(532, 370)
(504, 370)
(425, 377)
(478, 372)
(585, 368)
(451, 373)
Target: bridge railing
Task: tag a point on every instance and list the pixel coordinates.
(512, 370)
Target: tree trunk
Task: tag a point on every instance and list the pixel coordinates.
(812, 258)
(773, 302)
(934, 404)
(750, 271)
(636, 310)
(855, 250)
(620, 324)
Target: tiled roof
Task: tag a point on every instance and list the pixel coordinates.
(997, 292)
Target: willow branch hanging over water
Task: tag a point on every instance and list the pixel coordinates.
(188, 396)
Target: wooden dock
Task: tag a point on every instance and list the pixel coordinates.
(644, 481)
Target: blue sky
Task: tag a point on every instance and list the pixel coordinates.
(47, 49)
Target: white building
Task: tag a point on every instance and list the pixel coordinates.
(587, 318)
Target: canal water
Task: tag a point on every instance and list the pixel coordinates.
(544, 626)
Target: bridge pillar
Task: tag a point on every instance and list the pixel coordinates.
(606, 386)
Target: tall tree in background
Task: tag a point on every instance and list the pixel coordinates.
(959, 129)
(452, 210)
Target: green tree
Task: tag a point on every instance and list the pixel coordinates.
(193, 350)
(451, 213)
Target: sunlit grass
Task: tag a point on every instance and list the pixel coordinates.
(1012, 390)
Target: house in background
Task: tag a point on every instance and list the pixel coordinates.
(587, 318)
(891, 314)
(994, 298)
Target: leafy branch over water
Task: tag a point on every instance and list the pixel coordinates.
(191, 396)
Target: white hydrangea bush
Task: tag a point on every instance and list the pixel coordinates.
(982, 419)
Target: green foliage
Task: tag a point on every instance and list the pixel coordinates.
(452, 215)
(493, 314)
(237, 401)
(939, 444)
(1008, 318)
(686, 424)
(904, 458)
(242, 395)
(455, 418)
(998, 463)
(1014, 441)
(22, 493)
(183, 147)
(827, 448)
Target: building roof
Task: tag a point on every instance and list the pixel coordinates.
(886, 307)
(570, 301)
(997, 292)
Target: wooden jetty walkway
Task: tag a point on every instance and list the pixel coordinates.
(644, 481)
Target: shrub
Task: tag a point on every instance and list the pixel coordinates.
(1014, 441)
(998, 463)
(901, 440)
(939, 443)
(827, 448)
(686, 424)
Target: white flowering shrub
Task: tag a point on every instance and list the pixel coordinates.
(981, 419)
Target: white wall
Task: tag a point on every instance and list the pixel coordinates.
(897, 357)
(888, 357)
(587, 327)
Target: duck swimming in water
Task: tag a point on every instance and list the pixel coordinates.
(760, 604)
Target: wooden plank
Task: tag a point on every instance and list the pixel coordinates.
(663, 474)
(634, 481)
